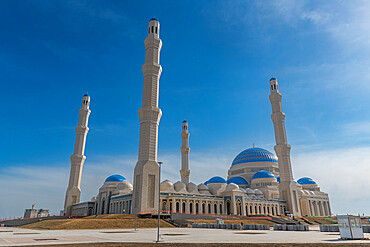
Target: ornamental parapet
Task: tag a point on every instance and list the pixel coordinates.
(275, 97)
(80, 129)
(149, 114)
(282, 149)
(185, 134)
(84, 112)
(77, 159)
(278, 116)
(152, 42)
(151, 69)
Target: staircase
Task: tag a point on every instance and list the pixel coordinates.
(284, 221)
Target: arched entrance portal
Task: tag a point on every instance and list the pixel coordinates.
(102, 207)
(238, 207)
(228, 207)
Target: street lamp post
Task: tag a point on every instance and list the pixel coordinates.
(159, 198)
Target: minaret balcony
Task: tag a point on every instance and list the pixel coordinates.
(153, 42)
(77, 159)
(150, 114)
(152, 69)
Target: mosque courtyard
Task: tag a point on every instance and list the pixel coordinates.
(171, 237)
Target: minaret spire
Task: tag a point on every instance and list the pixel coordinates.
(185, 149)
(78, 158)
(287, 186)
(146, 171)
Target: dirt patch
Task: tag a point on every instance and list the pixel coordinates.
(25, 233)
(113, 222)
(204, 245)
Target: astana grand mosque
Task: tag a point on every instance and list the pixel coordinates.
(258, 182)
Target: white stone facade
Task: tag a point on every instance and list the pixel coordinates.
(146, 171)
(258, 182)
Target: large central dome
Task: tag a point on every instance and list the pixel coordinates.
(254, 155)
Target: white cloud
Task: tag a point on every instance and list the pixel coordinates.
(343, 173)
(346, 22)
(358, 129)
(46, 185)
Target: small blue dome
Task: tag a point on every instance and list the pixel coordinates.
(184, 121)
(273, 79)
(215, 180)
(86, 94)
(306, 180)
(115, 178)
(238, 181)
(254, 155)
(263, 174)
(153, 19)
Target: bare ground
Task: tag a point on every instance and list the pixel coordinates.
(205, 245)
(97, 222)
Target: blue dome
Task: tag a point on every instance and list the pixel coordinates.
(115, 178)
(273, 79)
(153, 19)
(254, 155)
(306, 180)
(263, 174)
(215, 180)
(238, 181)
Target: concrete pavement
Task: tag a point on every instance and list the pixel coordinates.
(21, 237)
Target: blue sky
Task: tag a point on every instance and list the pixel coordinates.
(217, 59)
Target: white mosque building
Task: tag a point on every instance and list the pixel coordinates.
(258, 181)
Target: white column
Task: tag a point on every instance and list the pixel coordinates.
(185, 149)
(287, 186)
(73, 192)
(146, 185)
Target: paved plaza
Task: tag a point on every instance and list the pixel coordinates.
(23, 237)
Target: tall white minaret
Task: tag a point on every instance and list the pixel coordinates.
(185, 172)
(146, 184)
(287, 186)
(78, 158)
